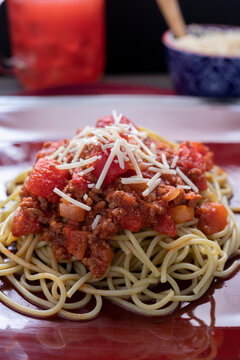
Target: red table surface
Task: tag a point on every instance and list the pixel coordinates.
(98, 89)
(117, 334)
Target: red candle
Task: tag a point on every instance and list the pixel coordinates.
(57, 42)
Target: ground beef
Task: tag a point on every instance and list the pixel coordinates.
(191, 199)
(121, 199)
(100, 258)
(26, 218)
(77, 241)
(132, 213)
(100, 207)
(195, 174)
(106, 229)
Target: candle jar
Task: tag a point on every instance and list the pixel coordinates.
(57, 42)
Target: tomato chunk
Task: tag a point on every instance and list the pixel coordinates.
(212, 218)
(25, 223)
(165, 225)
(133, 220)
(189, 157)
(194, 160)
(45, 177)
(207, 155)
(77, 241)
(79, 181)
(50, 147)
(113, 172)
(108, 120)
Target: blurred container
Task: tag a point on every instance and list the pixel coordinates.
(57, 42)
(199, 74)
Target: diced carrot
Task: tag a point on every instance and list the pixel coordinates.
(171, 194)
(182, 214)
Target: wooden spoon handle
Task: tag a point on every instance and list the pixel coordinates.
(173, 16)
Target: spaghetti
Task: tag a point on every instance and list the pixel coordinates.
(153, 269)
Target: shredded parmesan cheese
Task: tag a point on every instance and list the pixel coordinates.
(78, 152)
(134, 180)
(100, 137)
(153, 148)
(85, 197)
(131, 157)
(153, 179)
(162, 171)
(174, 162)
(107, 165)
(151, 160)
(86, 171)
(90, 186)
(111, 141)
(151, 188)
(96, 221)
(186, 187)
(77, 164)
(72, 201)
(143, 146)
(215, 41)
(117, 118)
(164, 161)
(187, 180)
(56, 153)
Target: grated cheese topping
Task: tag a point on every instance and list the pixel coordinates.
(90, 186)
(153, 179)
(87, 171)
(72, 201)
(174, 162)
(107, 165)
(77, 164)
(211, 41)
(186, 187)
(187, 180)
(164, 161)
(134, 180)
(120, 151)
(151, 187)
(96, 221)
(56, 153)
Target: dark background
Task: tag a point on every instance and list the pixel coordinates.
(135, 27)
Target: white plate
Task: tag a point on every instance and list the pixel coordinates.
(176, 118)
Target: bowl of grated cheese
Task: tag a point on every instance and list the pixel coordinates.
(206, 61)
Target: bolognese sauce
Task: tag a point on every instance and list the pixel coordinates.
(78, 197)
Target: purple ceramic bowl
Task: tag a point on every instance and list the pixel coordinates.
(199, 74)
